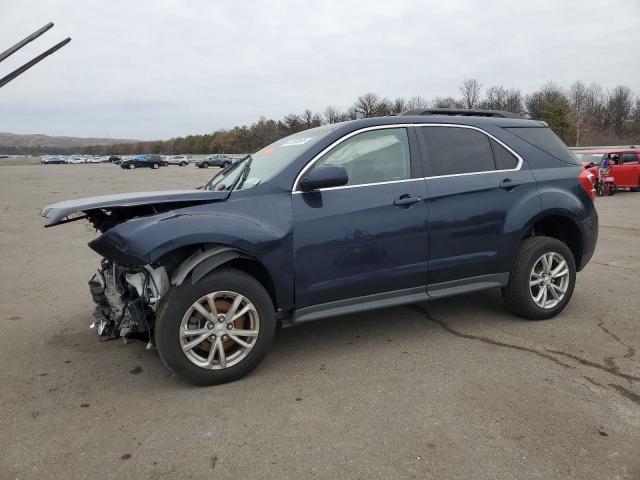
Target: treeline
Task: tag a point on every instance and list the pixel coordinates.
(581, 115)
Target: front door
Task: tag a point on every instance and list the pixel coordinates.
(625, 172)
(369, 236)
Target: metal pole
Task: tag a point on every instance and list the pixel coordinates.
(28, 65)
(22, 43)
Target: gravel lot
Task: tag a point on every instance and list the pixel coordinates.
(456, 388)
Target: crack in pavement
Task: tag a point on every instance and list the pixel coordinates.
(610, 368)
(630, 350)
(490, 341)
(613, 266)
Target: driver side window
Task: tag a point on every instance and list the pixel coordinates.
(372, 157)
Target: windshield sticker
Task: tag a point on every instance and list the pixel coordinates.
(297, 141)
(267, 151)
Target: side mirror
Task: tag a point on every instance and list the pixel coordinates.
(324, 177)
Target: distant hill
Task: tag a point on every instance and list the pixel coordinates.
(39, 143)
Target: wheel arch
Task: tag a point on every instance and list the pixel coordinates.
(561, 226)
(202, 259)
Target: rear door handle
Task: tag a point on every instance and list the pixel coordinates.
(406, 200)
(509, 183)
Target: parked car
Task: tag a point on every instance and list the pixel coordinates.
(342, 218)
(216, 161)
(175, 160)
(74, 160)
(114, 159)
(624, 165)
(142, 161)
(52, 160)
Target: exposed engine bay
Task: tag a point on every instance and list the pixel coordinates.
(126, 300)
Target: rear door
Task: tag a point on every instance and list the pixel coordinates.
(480, 194)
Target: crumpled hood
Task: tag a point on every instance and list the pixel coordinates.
(57, 212)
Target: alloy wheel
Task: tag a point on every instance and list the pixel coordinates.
(549, 280)
(219, 330)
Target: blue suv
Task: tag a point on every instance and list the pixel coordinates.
(339, 219)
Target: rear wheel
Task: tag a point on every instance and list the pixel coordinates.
(165, 164)
(226, 164)
(217, 330)
(182, 164)
(542, 279)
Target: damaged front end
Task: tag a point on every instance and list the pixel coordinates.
(126, 299)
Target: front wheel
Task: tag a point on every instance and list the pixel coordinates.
(217, 330)
(131, 166)
(155, 166)
(542, 279)
(205, 164)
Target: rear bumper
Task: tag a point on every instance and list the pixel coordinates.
(589, 230)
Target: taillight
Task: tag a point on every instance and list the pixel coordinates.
(588, 181)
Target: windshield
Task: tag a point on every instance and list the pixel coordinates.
(264, 164)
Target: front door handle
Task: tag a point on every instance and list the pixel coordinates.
(509, 183)
(406, 200)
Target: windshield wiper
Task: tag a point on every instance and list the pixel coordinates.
(244, 173)
(225, 173)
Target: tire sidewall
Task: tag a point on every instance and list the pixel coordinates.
(520, 278)
(175, 305)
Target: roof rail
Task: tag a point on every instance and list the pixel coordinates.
(462, 112)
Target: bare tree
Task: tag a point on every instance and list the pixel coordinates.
(417, 102)
(310, 119)
(332, 115)
(397, 106)
(367, 104)
(351, 113)
(470, 90)
(636, 121)
(446, 102)
(618, 109)
(578, 109)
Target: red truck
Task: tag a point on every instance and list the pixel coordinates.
(624, 164)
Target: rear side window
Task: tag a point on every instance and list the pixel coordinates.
(505, 160)
(547, 141)
(455, 150)
(629, 157)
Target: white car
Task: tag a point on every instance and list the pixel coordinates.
(74, 160)
(175, 160)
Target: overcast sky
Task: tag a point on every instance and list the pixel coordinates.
(157, 69)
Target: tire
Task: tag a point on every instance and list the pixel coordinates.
(518, 294)
(131, 166)
(177, 303)
(155, 166)
(183, 164)
(225, 165)
(165, 164)
(205, 164)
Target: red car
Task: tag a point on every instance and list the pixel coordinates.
(625, 169)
